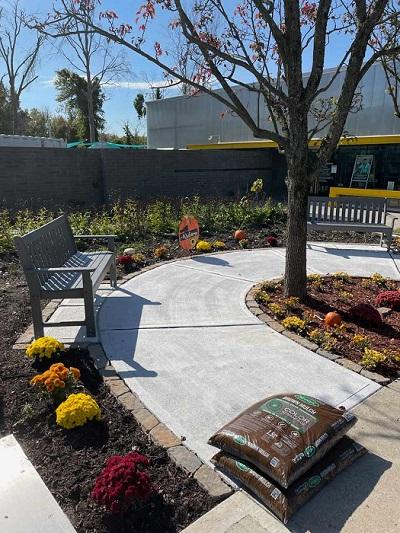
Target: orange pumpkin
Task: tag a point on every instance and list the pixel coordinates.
(240, 234)
(333, 319)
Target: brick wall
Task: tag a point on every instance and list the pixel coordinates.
(177, 173)
(80, 178)
(32, 177)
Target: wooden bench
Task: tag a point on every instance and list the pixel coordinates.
(54, 268)
(360, 214)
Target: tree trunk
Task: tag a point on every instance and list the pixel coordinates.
(14, 101)
(92, 126)
(298, 190)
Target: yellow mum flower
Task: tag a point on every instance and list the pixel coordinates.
(44, 347)
(203, 246)
(77, 410)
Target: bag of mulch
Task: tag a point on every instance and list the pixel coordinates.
(285, 502)
(284, 435)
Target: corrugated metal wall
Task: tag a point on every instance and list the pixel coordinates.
(176, 122)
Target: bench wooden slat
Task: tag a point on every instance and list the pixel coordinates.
(361, 214)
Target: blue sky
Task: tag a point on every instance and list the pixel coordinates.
(119, 105)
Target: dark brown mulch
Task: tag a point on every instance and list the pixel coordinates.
(331, 297)
(69, 461)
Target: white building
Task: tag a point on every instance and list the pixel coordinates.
(34, 142)
(201, 119)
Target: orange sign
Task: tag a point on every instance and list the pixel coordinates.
(188, 233)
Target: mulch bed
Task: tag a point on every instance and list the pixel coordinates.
(69, 461)
(340, 295)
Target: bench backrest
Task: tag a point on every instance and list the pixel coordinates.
(354, 209)
(48, 246)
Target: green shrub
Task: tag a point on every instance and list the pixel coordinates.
(132, 221)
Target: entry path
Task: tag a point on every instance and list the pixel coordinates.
(182, 338)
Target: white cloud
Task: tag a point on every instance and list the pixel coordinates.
(138, 84)
(121, 84)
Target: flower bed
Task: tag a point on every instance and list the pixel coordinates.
(70, 460)
(343, 315)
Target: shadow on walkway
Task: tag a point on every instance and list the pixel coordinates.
(333, 506)
(348, 253)
(131, 306)
(211, 260)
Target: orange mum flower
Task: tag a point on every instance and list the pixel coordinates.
(75, 372)
(64, 374)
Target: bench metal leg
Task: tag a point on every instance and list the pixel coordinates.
(113, 274)
(90, 319)
(37, 317)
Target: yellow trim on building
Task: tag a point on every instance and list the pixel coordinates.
(335, 192)
(344, 141)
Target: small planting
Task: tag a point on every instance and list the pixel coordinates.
(361, 341)
(342, 276)
(139, 258)
(126, 262)
(294, 323)
(44, 347)
(161, 252)
(389, 299)
(270, 286)
(312, 278)
(57, 382)
(344, 296)
(372, 358)
(277, 310)
(323, 338)
(244, 243)
(263, 297)
(77, 410)
(123, 483)
(203, 246)
(219, 245)
(366, 313)
(315, 281)
(272, 241)
(292, 303)
(378, 279)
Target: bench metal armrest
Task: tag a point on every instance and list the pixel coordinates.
(62, 270)
(110, 239)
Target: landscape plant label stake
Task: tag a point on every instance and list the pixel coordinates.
(189, 232)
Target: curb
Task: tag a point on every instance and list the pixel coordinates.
(255, 308)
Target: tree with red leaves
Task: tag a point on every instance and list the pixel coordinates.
(264, 46)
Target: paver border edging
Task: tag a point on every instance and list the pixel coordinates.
(254, 307)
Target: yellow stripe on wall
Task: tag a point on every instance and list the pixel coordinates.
(344, 141)
(335, 192)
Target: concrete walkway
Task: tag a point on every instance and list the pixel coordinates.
(26, 504)
(181, 337)
(362, 499)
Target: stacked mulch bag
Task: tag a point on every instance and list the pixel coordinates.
(285, 448)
